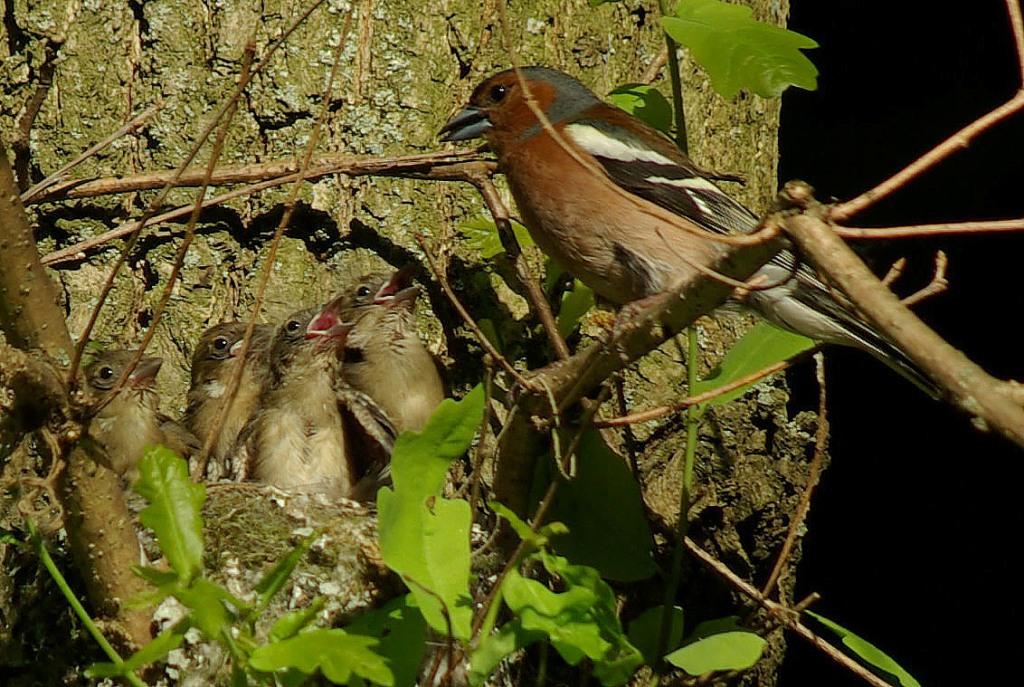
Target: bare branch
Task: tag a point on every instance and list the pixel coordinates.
(990, 401)
(129, 126)
(957, 141)
(796, 522)
(916, 231)
(785, 615)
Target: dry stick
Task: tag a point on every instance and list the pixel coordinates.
(662, 411)
(129, 127)
(411, 166)
(321, 166)
(814, 474)
(508, 239)
(654, 68)
(190, 233)
(960, 139)
(484, 342)
(108, 284)
(203, 457)
(937, 285)
(993, 403)
(895, 272)
(948, 228)
(1017, 26)
(784, 614)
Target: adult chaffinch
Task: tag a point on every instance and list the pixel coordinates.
(614, 219)
(384, 356)
(214, 361)
(132, 420)
(312, 433)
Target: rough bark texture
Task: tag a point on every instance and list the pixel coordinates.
(406, 67)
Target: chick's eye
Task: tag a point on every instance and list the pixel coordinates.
(220, 343)
(106, 373)
(498, 92)
(293, 325)
(363, 291)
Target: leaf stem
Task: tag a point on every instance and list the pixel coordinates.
(76, 606)
(677, 85)
(693, 415)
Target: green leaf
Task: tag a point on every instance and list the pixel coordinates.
(646, 628)
(575, 304)
(423, 537)
(174, 512)
(420, 460)
(152, 651)
(763, 345)
(429, 548)
(402, 632)
(275, 578)
(604, 510)
(718, 645)
(481, 234)
(293, 622)
(868, 652)
(493, 649)
(213, 607)
(581, 621)
(335, 653)
(739, 52)
(8, 537)
(645, 102)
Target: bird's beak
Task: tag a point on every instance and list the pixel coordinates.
(236, 348)
(327, 326)
(145, 372)
(469, 123)
(398, 289)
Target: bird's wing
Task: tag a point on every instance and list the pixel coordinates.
(371, 438)
(650, 166)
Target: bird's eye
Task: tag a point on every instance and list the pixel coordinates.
(293, 326)
(220, 343)
(106, 373)
(363, 291)
(498, 93)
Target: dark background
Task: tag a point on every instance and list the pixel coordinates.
(915, 529)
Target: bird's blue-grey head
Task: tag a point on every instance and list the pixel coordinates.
(499, 103)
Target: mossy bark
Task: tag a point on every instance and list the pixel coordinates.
(406, 67)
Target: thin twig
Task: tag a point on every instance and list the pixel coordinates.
(157, 201)
(655, 67)
(190, 232)
(993, 404)
(954, 143)
(937, 285)
(1017, 26)
(813, 475)
(482, 339)
(662, 411)
(129, 127)
(948, 228)
(503, 222)
(895, 272)
(427, 164)
(289, 208)
(785, 615)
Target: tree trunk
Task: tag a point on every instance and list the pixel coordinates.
(406, 67)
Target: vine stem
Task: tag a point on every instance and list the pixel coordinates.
(677, 85)
(76, 605)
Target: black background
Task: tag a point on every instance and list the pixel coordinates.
(915, 529)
